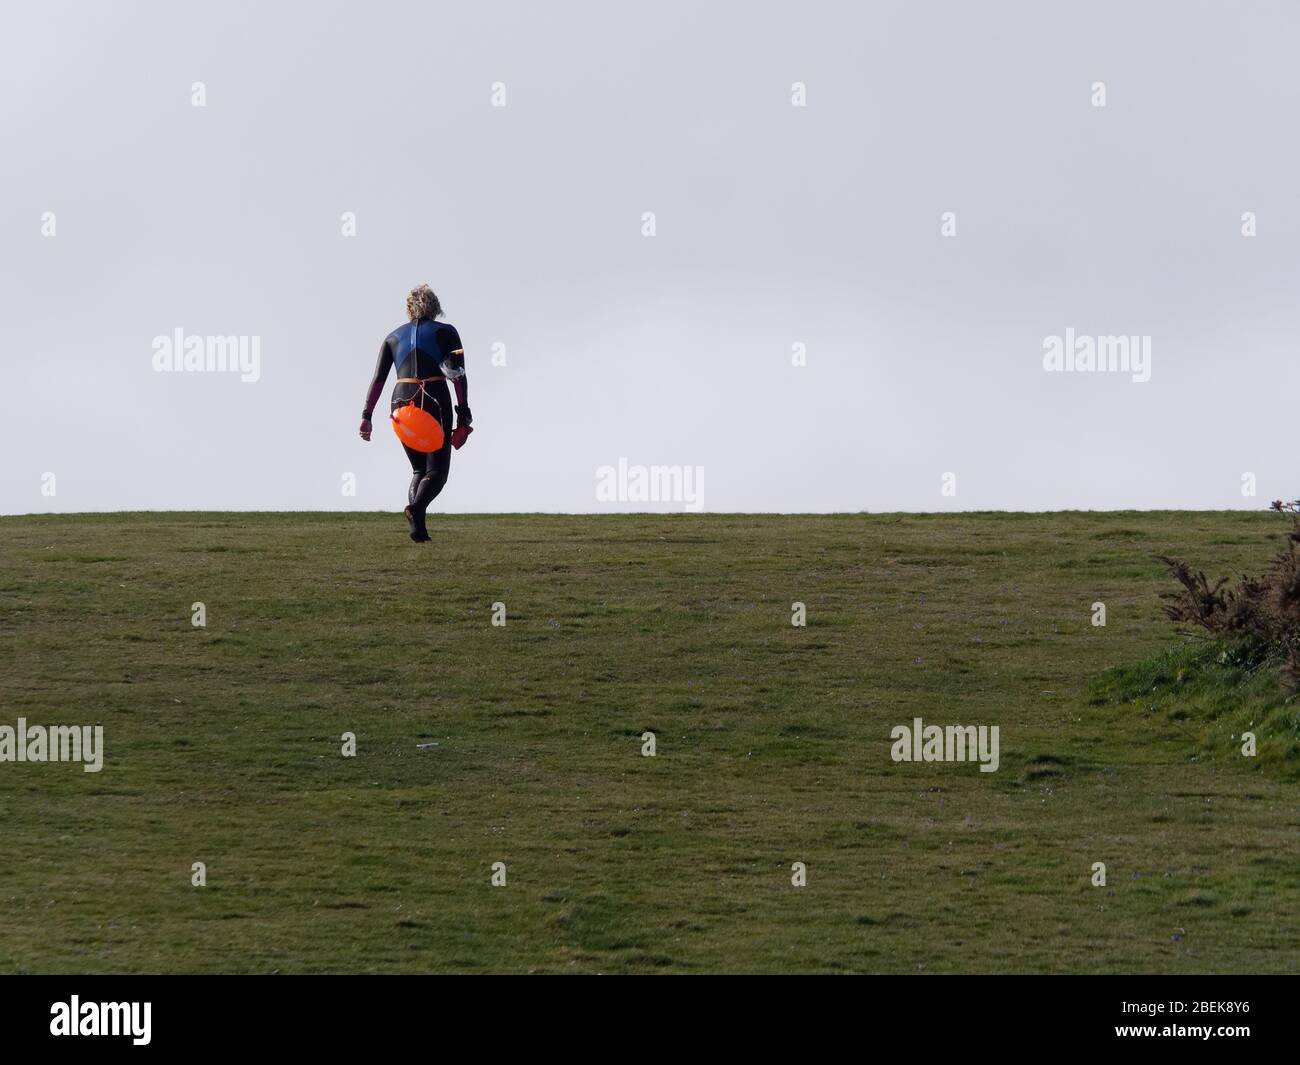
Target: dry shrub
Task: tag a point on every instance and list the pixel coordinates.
(1266, 610)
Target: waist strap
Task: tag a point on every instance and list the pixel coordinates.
(418, 380)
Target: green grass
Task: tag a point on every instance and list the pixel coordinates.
(223, 746)
(1220, 690)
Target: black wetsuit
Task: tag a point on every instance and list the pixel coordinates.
(418, 349)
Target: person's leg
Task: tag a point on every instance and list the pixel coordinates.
(437, 466)
(417, 460)
(403, 394)
(419, 465)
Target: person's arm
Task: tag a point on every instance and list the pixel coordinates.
(454, 354)
(461, 384)
(382, 366)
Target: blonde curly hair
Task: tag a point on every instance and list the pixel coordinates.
(422, 303)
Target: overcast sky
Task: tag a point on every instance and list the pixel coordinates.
(128, 213)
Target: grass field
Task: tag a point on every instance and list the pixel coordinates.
(223, 746)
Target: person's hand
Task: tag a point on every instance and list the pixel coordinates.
(365, 428)
(463, 427)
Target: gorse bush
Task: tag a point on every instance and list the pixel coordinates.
(1260, 617)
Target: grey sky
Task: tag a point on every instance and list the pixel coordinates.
(775, 225)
